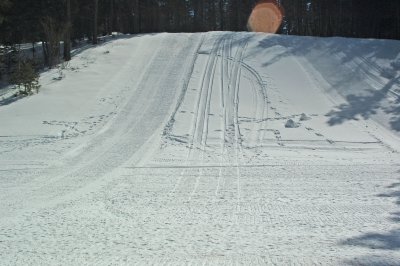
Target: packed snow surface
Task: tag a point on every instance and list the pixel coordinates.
(175, 149)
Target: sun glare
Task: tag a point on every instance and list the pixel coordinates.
(266, 17)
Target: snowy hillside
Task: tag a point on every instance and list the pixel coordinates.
(214, 148)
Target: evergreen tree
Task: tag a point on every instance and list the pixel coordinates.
(26, 77)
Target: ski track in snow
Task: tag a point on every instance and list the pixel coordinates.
(188, 161)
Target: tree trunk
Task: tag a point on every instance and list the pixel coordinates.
(221, 14)
(198, 15)
(111, 22)
(45, 48)
(67, 34)
(398, 21)
(96, 12)
(137, 18)
(239, 14)
(33, 51)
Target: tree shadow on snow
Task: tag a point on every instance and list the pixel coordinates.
(286, 45)
(11, 100)
(365, 106)
(385, 241)
(319, 48)
(350, 81)
(389, 240)
(395, 111)
(377, 260)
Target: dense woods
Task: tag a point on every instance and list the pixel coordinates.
(347, 18)
(53, 21)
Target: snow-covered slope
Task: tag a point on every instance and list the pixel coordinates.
(215, 148)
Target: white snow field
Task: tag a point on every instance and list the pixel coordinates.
(207, 149)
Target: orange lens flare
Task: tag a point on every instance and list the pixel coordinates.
(266, 17)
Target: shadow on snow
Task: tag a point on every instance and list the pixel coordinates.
(82, 47)
(363, 100)
(367, 105)
(389, 240)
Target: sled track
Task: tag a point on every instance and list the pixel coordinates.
(230, 69)
(200, 121)
(200, 132)
(198, 128)
(188, 75)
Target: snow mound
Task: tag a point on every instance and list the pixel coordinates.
(304, 117)
(291, 124)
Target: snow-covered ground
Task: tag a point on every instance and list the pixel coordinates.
(214, 148)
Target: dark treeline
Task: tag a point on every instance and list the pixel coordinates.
(52, 21)
(346, 18)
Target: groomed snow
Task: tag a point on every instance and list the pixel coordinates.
(213, 148)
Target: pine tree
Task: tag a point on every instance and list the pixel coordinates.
(25, 76)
